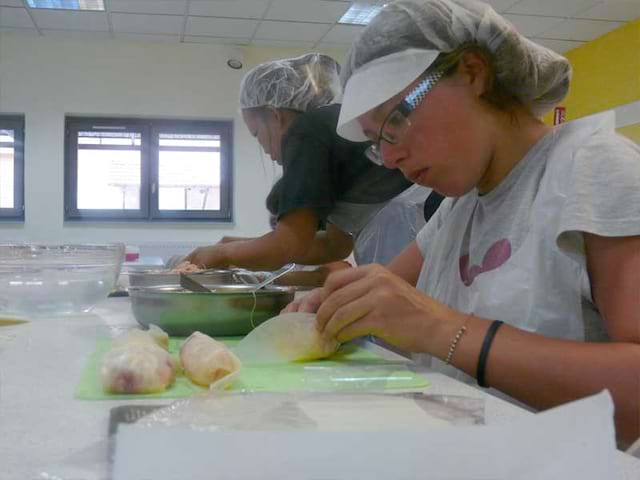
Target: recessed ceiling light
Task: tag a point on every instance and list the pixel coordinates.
(360, 14)
(94, 5)
(234, 63)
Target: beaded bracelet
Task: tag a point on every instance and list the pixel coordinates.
(454, 343)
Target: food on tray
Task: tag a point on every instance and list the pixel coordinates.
(186, 267)
(290, 337)
(138, 362)
(206, 361)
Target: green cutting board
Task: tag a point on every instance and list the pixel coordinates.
(352, 368)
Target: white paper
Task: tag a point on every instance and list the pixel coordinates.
(575, 441)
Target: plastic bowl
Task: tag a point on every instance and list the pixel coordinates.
(44, 280)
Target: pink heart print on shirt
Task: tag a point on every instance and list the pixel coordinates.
(496, 256)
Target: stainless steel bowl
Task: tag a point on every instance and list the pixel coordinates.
(225, 312)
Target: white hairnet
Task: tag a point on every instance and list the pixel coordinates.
(536, 76)
(300, 83)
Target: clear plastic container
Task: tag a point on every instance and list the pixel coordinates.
(44, 280)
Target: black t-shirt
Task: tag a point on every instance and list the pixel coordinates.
(321, 168)
(431, 205)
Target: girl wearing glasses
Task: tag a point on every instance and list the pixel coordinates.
(287, 106)
(527, 278)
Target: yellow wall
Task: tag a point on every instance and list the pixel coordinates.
(606, 74)
(631, 131)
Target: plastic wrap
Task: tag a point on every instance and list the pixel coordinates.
(576, 440)
(242, 411)
(319, 411)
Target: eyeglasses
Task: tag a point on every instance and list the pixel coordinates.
(397, 120)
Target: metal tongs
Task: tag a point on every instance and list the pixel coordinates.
(274, 276)
(193, 285)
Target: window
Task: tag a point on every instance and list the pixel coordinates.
(126, 169)
(11, 167)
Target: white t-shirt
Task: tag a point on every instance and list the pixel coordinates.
(517, 253)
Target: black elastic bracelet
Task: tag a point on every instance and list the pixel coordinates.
(484, 351)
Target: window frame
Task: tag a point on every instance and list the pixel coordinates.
(224, 129)
(17, 124)
(149, 129)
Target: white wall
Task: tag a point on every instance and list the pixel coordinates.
(45, 79)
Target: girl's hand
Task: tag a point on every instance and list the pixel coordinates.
(308, 304)
(371, 300)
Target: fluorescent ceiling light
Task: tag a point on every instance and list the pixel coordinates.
(360, 14)
(68, 4)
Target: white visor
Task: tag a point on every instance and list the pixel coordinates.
(375, 83)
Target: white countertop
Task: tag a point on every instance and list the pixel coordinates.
(42, 425)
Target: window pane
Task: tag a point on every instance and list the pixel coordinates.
(109, 178)
(108, 138)
(189, 177)
(7, 136)
(185, 140)
(7, 157)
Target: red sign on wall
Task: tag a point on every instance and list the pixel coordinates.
(559, 115)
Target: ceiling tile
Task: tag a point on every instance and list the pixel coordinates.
(68, 20)
(216, 40)
(76, 34)
(620, 10)
(554, 8)
(168, 7)
(560, 46)
(11, 3)
(310, 32)
(532, 25)
(283, 43)
(28, 32)
(15, 17)
(150, 24)
(220, 27)
(581, 30)
(501, 5)
(229, 8)
(332, 46)
(343, 34)
(148, 37)
(319, 11)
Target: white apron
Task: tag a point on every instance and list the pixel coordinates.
(394, 227)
